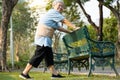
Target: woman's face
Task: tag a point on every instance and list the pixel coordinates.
(59, 7)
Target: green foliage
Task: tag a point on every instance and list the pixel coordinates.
(92, 32)
(21, 63)
(107, 2)
(0, 14)
(110, 29)
(22, 22)
(49, 5)
(23, 31)
(72, 13)
(68, 3)
(83, 1)
(17, 65)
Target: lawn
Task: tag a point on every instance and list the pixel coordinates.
(46, 76)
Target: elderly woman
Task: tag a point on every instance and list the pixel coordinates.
(43, 39)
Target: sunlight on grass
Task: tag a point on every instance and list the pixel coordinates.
(47, 76)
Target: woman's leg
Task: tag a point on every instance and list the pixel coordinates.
(49, 60)
(27, 69)
(52, 70)
(35, 60)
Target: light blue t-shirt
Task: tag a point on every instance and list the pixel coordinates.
(51, 19)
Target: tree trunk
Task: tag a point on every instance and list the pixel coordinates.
(4, 27)
(7, 7)
(118, 42)
(1, 59)
(100, 34)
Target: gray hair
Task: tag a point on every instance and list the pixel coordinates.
(57, 1)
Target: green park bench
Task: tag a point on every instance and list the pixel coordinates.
(88, 53)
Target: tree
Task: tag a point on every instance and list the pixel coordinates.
(7, 8)
(110, 28)
(23, 29)
(115, 9)
(97, 28)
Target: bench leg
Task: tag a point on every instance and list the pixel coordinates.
(113, 67)
(69, 66)
(90, 66)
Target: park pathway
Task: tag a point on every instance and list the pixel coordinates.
(98, 71)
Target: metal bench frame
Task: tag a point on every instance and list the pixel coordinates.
(86, 52)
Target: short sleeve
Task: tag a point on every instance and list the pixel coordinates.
(52, 18)
(58, 17)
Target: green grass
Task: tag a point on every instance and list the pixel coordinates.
(46, 76)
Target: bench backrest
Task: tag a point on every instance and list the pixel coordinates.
(76, 42)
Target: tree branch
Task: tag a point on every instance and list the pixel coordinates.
(87, 15)
(115, 12)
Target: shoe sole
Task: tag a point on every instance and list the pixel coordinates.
(22, 77)
(25, 78)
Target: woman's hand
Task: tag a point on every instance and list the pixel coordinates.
(75, 28)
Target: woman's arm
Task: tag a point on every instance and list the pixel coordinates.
(69, 24)
(63, 30)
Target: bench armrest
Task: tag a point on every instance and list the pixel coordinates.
(102, 48)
